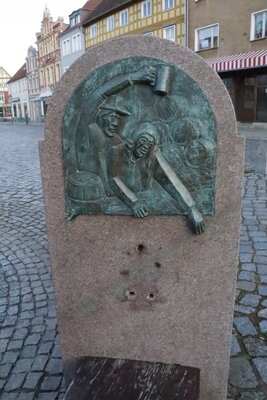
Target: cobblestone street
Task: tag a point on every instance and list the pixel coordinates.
(31, 366)
(30, 357)
(248, 366)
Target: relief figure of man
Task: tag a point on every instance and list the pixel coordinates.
(132, 166)
(92, 145)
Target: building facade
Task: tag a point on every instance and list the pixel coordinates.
(4, 99)
(72, 39)
(49, 57)
(162, 18)
(18, 95)
(33, 85)
(232, 36)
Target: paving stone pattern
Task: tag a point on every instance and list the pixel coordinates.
(30, 360)
(248, 365)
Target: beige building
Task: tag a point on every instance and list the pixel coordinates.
(232, 36)
(162, 18)
(49, 56)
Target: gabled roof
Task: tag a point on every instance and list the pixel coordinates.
(21, 73)
(106, 7)
(4, 71)
(89, 6)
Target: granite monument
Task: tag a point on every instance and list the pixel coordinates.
(140, 134)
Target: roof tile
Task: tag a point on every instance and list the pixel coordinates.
(21, 73)
(106, 7)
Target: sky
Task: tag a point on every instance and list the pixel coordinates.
(19, 22)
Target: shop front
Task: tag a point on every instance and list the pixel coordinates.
(45, 98)
(245, 76)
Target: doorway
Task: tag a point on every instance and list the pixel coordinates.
(261, 112)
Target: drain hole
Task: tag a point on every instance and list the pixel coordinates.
(141, 247)
(157, 264)
(151, 296)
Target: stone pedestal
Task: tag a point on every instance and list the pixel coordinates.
(147, 289)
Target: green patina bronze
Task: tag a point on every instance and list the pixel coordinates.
(139, 138)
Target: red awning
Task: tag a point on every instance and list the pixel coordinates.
(253, 59)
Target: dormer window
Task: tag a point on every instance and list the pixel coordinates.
(76, 19)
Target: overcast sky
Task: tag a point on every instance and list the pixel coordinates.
(20, 20)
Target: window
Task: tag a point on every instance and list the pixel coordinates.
(167, 4)
(57, 72)
(258, 25)
(150, 33)
(66, 47)
(52, 74)
(76, 42)
(146, 9)
(110, 23)
(76, 19)
(42, 78)
(48, 76)
(93, 31)
(124, 17)
(207, 37)
(169, 32)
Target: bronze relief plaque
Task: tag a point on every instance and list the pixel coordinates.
(139, 138)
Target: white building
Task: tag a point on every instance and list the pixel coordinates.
(72, 40)
(33, 84)
(4, 101)
(18, 95)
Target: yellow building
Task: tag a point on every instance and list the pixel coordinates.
(162, 18)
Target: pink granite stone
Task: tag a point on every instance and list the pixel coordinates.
(96, 261)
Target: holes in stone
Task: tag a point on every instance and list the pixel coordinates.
(141, 247)
(151, 296)
(130, 294)
(157, 265)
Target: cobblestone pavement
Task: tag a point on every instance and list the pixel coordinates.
(30, 358)
(31, 365)
(248, 365)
